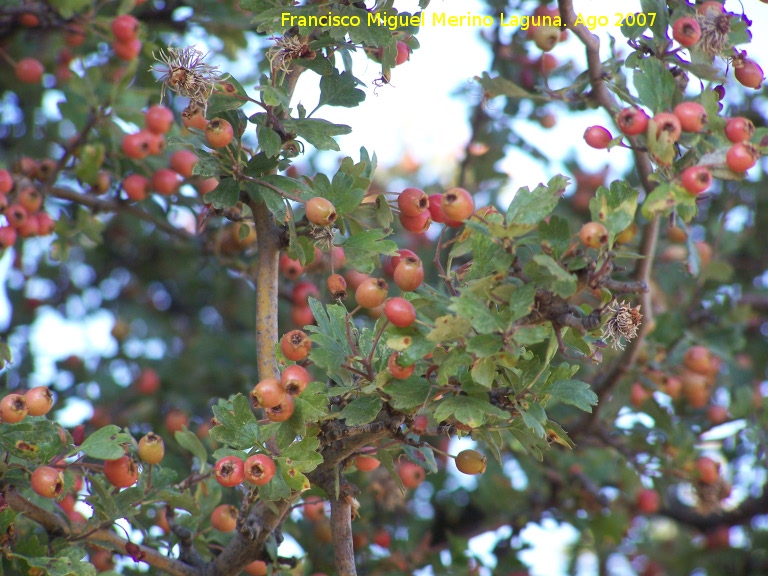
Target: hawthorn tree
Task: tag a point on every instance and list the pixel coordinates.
(292, 351)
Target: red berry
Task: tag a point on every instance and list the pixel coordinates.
(229, 471)
(593, 235)
(45, 224)
(16, 215)
(158, 119)
(6, 182)
(337, 286)
(686, 31)
(136, 146)
(400, 312)
(136, 187)
(165, 181)
(294, 379)
(409, 273)
(741, 156)
(256, 568)
(692, 116)
(648, 501)
(411, 475)
(127, 50)
(7, 236)
(47, 482)
(268, 393)
(259, 469)
(39, 401)
(148, 382)
(749, 74)
(224, 518)
(412, 202)
(700, 359)
(74, 34)
(397, 371)
(403, 53)
(183, 162)
(470, 462)
(289, 267)
(371, 293)
(151, 448)
(435, 210)
(696, 179)
(302, 291)
(175, 420)
(13, 408)
(366, 463)
(382, 538)
(122, 472)
(416, 224)
(219, 133)
(313, 509)
(320, 211)
(632, 121)
(457, 204)
(295, 345)
(31, 199)
(597, 137)
(125, 27)
(669, 123)
(282, 411)
(739, 129)
(708, 470)
(29, 70)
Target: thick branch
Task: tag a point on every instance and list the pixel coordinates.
(267, 292)
(106, 205)
(748, 509)
(341, 528)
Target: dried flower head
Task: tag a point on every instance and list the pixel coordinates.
(287, 48)
(715, 25)
(623, 323)
(187, 74)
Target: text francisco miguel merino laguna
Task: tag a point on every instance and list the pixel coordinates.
(394, 21)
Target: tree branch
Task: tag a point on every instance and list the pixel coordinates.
(747, 510)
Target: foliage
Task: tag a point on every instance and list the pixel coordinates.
(594, 343)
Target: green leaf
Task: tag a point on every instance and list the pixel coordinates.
(206, 166)
(614, 208)
(484, 345)
(277, 488)
(423, 456)
(106, 443)
(535, 418)
(319, 133)
(225, 195)
(269, 141)
(449, 328)
(655, 84)
(484, 372)
(502, 87)
(238, 426)
(521, 302)
(364, 247)
(546, 272)
(340, 90)
(70, 562)
(361, 410)
(469, 410)
(191, 443)
(661, 22)
(222, 101)
(303, 455)
(477, 311)
(573, 392)
(556, 235)
(408, 394)
(34, 438)
(528, 208)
